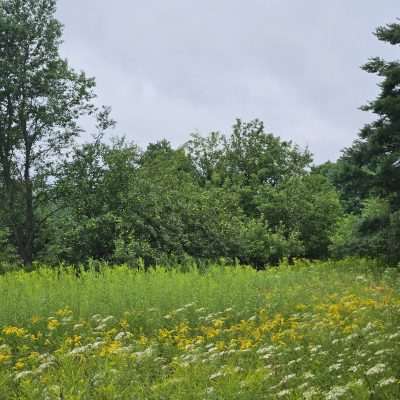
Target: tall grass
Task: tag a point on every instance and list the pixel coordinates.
(116, 290)
(328, 330)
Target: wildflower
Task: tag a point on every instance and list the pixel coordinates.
(245, 344)
(264, 350)
(64, 312)
(334, 367)
(353, 368)
(14, 331)
(53, 324)
(142, 354)
(287, 378)
(383, 351)
(19, 365)
(310, 393)
(22, 374)
(336, 393)
(122, 335)
(107, 319)
(303, 386)
(376, 369)
(96, 317)
(124, 324)
(79, 350)
(4, 357)
(42, 367)
(111, 348)
(216, 375)
(386, 381)
(394, 336)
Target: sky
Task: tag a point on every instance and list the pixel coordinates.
(172, 68)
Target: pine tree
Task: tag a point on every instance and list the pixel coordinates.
(375, 157)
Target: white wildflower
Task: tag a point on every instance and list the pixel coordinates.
(310, 393)
(100, 327)
(376, 369)
(394, 335)
(107, 319)
(336, 393)
(334, 367)
(353, 368)
(216, 375)
(22, 374)
(387, 381)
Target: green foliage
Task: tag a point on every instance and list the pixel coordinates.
(9, 259)
(307, 207)
(295, 332)
(119, 204)
(373, 157)
(41, 100)
(247, 197)
(260, 245)
(373, 233)
(368, 174)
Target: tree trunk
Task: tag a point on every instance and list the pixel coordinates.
(29, 221)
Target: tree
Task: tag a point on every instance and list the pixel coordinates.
(41, 100)
(304, 205)
(375, 155)
(254, 157)
(368, 173)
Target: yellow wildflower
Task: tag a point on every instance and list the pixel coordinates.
(53, 324)
(64, 312)
(143, 340)
(4, 357)
(19, 365)
(164, 333)
(110, 348)
(245, 344)
(13, 330)
(124, 324)
(218, 323)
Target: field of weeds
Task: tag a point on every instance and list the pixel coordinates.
(308, 331)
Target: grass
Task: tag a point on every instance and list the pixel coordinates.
(308, 331)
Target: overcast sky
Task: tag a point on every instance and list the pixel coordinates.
(172, 67)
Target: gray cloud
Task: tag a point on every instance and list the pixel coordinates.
(169, 68)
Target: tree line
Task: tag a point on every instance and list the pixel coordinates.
(247, 197)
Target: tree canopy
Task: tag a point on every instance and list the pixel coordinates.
(246, 196)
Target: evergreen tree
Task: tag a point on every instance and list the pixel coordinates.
(374, 159)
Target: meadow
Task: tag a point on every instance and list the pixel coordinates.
(326, 330)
